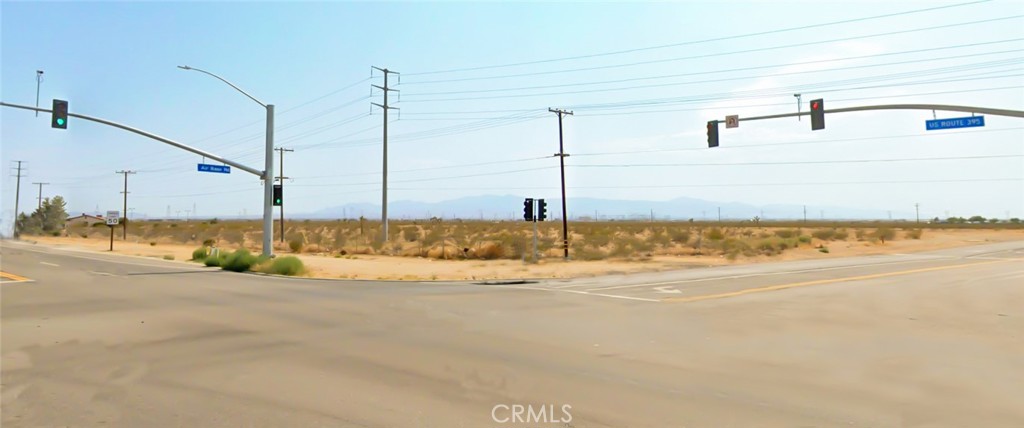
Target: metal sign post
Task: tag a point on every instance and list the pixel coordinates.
(113, 219)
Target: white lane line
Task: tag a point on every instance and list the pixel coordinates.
(67, 252)
(613, 296)
(49, 264)
(752, 275)
(101, 273)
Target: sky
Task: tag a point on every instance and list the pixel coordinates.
(475, 83)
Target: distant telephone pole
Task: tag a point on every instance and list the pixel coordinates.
(17, 198)
(805, 213)
(384, 189)
(124, 224)
(917, 211)
(39, 205)
(281, 178)
(561, 159)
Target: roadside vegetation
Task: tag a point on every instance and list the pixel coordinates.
(490, 240)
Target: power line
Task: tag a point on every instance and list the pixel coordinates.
(716, 39)
(828, 162)
(892, 76)
(843, 140)
(672, 186)
(718, 54)
(761, 67)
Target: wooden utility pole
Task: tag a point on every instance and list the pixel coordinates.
(561, 159)
(281, 178)
(124, 223)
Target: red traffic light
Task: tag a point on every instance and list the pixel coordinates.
(815, 105)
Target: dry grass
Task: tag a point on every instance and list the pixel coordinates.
(490, 240)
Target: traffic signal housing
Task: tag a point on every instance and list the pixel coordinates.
(278, 195)
(817, 114)
(712, 133)
(542, 210)
(528, 209)
(59, 116)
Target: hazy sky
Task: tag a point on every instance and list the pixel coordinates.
(477, 80)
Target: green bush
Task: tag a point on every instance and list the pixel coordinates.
(841, 235)
(804, 239)
(168, 257)
(295, 245)
(287, 265)
(199, 254)
(680, 236)
(239, 261)
(209, 242)
(823, 250)
(913, 233)
(215, 260)
(716, 234)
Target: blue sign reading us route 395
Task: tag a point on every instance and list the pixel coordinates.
(223, 169)
(956, 122)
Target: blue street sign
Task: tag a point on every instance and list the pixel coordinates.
(223, 169)
(956, 122)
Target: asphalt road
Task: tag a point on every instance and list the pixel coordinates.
(924, 340)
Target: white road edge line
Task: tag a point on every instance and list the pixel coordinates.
(67, 252)
(49, 264)
(614, 296)
(752, 275)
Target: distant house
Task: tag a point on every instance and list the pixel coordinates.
(84, 220)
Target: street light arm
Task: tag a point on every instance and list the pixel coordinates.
(185, 67)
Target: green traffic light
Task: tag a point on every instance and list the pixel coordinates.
(60, 121)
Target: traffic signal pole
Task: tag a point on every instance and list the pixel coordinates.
(942, 107)
(266, 175)
(281, 178)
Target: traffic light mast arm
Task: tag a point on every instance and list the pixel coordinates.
(253, 171)
(942, 107)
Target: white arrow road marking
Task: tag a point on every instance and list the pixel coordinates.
(667, 289)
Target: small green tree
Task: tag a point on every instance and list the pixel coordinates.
(976, 219)
(49, 218)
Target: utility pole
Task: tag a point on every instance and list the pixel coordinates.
(124, 224)
(917, 211)
(17, 198)
(719, 214)
(281, 178)
(805, 213)
(561, 159)
(384, 189)
(39, 81)
(40, 198)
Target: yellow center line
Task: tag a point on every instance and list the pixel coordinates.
(823, 281)
(13, 277)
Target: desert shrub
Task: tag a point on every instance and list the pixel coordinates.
(587, 253)
(295, 245)
(199, 254)
(913, 233)
(804, 239)
(213, 260)
(680, 236)
(787, 233)
(239, 261)
(152, 244)
(621, 249)
(841, 235)
(824, 234)
(209, 242)
(883, 233)
(490, 251)
(733, 248)
(659, 238)
(768, 247)
(433, 236)
(410, 234)
(234, 236)
(823, 250)
(599, 238)
(287, 265)
(716, 234)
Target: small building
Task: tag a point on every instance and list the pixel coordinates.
(83, 220)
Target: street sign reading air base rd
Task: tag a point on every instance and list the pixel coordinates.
(223, 169)
(956, 122)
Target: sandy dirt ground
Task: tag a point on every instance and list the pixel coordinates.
(375, 267)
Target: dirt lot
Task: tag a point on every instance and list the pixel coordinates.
(363, 266)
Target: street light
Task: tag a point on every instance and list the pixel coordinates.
(268, 171)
